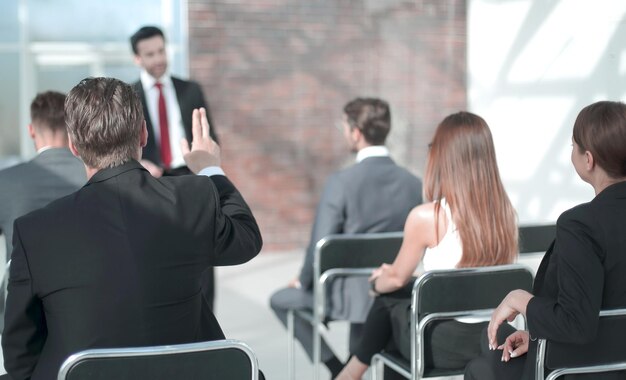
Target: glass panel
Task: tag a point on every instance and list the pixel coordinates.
(60, 78)
(128, 73)
(93, 21)
(9, 106)
(9, 22)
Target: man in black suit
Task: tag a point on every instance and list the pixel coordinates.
(168, 103)
(373, 195)
(180, 97)
(119, 262)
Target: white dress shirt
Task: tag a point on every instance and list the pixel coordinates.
(175, 122)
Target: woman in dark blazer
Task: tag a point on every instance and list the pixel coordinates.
(584, 271)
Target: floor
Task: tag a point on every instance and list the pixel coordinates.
(242, 308)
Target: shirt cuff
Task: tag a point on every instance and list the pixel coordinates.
(211, 171)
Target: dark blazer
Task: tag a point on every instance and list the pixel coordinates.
(190, 96)
(118, 263)
(583, 272)
(25, 187)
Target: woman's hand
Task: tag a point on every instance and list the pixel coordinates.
(376, 273)
(513, 304)
(515, 345)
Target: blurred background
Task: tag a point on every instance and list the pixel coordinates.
(277, 73)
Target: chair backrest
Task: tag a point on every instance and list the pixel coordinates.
(356, 250)
(455, 292)
(341, 268)
(604, 351)
(468, 289)
(223, 359)
(536, 238)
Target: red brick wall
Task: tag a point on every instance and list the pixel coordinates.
(277, 74)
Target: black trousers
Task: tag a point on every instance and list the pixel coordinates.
(448, 344)
(488, 366)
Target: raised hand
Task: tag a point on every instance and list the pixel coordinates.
(204, 151)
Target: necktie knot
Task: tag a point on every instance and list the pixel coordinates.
(159, 85)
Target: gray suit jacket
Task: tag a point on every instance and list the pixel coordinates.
(375, 195)
(25, 187)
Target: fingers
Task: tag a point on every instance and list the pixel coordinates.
(507, 348)
(492, 331)
(206, 128)
(196, 125)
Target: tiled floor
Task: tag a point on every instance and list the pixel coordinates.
(243, 311)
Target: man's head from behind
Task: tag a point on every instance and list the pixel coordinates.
(47, 118)
(370, 117)
(148, 45)
(105, 122)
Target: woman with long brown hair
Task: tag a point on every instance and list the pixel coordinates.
(468, 221)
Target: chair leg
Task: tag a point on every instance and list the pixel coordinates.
(377, 369)
(291, 358)
(317, 349)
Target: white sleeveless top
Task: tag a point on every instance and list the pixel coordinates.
(446, 254)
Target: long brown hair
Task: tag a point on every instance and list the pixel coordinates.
(462, 168)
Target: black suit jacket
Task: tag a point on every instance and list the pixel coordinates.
(190, 96)
(583, 272)
(118, 263)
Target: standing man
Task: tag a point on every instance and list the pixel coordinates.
(119, 262)
(52, 174)
(168, 103)
(373, 195)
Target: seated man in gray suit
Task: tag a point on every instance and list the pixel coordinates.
(52, 174)
(373, 195)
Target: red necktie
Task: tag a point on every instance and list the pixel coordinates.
(166, 152)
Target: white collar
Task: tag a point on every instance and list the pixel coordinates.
(148, 81)
(372, 151)
(44, 148)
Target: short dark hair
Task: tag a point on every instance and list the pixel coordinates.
(46, 111)
(104, 120)
(144, 33)
(601, 129)
(371, 116)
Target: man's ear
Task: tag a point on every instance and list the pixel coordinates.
(72, 147)
(356, 134)
(144, 134)
(137, 60)
(31, 131)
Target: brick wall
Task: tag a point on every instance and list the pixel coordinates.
(277, 74)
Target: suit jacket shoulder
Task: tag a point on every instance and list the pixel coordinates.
(28, 186)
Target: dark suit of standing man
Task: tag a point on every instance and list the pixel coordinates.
(54, 172)
(180, 98)
(119, 262)
(373, 195)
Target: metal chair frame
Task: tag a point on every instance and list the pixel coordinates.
(543, 346)
(324, 273)
(418, 325)
(109, 353)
